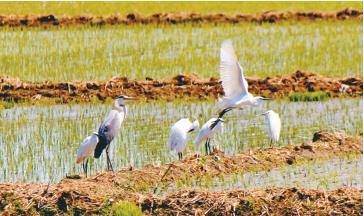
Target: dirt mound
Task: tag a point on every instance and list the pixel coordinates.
(175, 18)
(276, 201)
(180, 86)
(92, 194)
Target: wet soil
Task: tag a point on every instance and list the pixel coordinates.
(176, 18)
(180, 86)
(92, 194)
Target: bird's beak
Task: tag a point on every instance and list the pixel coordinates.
(267, 98)
(131, 98)
(191, 130)
(261, 114)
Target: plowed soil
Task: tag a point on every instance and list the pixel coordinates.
(180, 86)
(92, 194)
(175, 18)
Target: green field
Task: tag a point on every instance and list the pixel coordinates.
(98, 53)
(52, 134)
(107, 8)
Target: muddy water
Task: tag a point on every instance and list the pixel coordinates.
(329, 174)
(40, 143)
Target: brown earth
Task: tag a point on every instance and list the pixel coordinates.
(180, 86)
(175, 18)
(92, 194)
(274, 201)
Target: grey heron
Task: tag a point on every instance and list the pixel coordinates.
(86, 149)
(179, 135)
(273, 123)
(235, 86)
(110, 128)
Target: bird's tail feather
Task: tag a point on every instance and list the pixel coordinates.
(98, 150)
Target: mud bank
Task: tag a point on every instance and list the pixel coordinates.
(180, 86)
(176, 18)
(275, 201)
(92, 194)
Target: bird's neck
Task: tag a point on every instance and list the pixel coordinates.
(120, 107)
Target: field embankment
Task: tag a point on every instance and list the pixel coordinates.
(95, 193)
(180, 86)
(274, 201)
(176, 18)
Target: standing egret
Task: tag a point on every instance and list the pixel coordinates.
(235, 86)
(86, 149)
(209, 129)
(273, 123)
(110, 128)
(179, 135)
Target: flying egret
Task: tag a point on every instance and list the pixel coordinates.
(86, 149)
(110, 128)
(209, 129)
(179, 135)
(235, 86)
(273, 123)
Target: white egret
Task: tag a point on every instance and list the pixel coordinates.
(235, 86)
(179, 135)
(86, 149)
(110, 128)
(209, 129)
(273, 123)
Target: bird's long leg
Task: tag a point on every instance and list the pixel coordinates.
(83, 167)
(86, 166)
(180, 155)
(271, 142)
(206, 147)
(109, 165)
(209, 146)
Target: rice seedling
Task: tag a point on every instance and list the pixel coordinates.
(327, 175)
(90, 53)
(39, 143)
(309, 96)
(107, 8)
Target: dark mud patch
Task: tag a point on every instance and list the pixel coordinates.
(92, 194)
(176, 18)
(180, 86)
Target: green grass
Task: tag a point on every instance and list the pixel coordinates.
(125, 208)
(107, 8)
(309, 96)
(91, 53)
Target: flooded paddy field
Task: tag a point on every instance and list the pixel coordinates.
(63, 64)
(39, 143)
(138, 51)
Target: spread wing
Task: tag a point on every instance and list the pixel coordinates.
(231, 73)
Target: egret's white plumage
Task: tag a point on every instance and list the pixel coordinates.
(233, 81)
(87, 147)
(179, 134)
(273, 123)
(206, 133)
